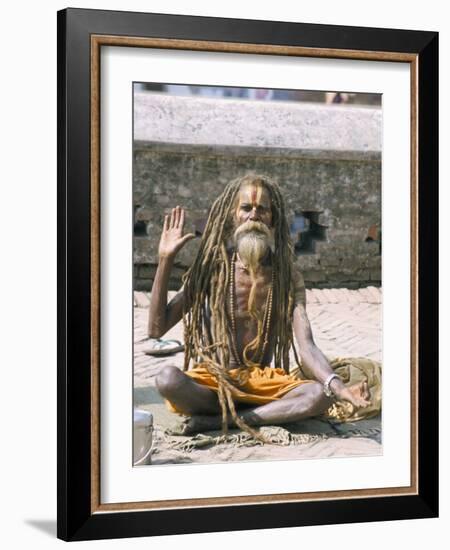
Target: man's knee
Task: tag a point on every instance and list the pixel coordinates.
(169, 380)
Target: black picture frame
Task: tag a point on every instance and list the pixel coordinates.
(79, 517)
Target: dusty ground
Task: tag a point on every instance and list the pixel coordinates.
(345, 323)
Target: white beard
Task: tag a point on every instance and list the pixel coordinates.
(252, 240)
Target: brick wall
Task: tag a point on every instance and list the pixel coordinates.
(337, 186)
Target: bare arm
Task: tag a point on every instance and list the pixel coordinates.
(162, 315)
(314, 363)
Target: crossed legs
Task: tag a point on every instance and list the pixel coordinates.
(202, 403)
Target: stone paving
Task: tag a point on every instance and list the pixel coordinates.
(345, 323)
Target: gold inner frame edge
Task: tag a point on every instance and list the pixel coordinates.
(264, 49)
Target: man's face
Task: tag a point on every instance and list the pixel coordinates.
(253, 231)
(254, 204)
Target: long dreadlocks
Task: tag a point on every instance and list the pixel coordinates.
(208, 340)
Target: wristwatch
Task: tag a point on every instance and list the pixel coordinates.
(326, 385)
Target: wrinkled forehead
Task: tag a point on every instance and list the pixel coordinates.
(254, 194)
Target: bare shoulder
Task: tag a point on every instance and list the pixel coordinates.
(299, 285)
(301, 324)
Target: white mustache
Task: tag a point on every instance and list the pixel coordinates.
(251, 226)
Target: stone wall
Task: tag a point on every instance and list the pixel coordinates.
(326, 158)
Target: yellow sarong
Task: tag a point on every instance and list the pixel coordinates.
(267, 384)
(264, 384)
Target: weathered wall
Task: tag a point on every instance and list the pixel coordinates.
(334, 168)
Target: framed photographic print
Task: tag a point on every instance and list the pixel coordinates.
(247, 255)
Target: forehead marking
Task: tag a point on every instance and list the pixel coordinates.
(256, 194)
(252, 193)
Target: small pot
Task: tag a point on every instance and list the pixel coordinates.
(142, 437)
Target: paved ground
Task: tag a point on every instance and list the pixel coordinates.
(345, 323)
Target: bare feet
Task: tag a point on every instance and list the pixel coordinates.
(196, 424)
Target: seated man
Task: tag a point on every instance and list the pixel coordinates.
(242, 301)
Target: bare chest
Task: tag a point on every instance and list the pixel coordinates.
(257, 298)
(244, 293)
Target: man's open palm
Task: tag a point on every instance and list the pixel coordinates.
(172, 238)
(358, 395)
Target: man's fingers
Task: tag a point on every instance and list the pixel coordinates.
(366, 394)
(181, 219)
(188, 237)
(166, 223)
(172, 218)
(177, 216)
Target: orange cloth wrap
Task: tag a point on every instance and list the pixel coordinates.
(264, 384)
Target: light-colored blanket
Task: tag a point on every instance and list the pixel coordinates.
(354, 370)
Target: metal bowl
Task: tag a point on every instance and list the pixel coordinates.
(142, 437)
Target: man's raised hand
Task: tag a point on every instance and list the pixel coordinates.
(172, 238)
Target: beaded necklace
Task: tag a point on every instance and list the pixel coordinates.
(266, 319)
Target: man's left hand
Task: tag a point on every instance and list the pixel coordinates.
(358, 394)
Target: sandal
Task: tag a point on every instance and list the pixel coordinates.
(164, 347)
